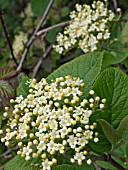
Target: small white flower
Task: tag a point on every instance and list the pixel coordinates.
(99, 36)
(79, 156)
(106, 35)
(89, 161)
(111, 16)
(96, 140)
(41, 146)
(101, 106)
(72, 140)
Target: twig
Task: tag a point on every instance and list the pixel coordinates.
(115, 5)
(33, 36)
(7, 37)
(35, 70)
(68, 58)
(51, 28)
(21, 8)
(119, 157)
(3, 166)
(96, 166)
(123, 20)
(8, 151)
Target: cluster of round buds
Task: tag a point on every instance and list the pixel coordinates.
(89, 26)
(19, 43)
(53, 120)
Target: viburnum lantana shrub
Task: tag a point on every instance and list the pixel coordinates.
(88, 29)
(53, 120)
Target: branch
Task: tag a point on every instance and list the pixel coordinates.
(68, 58)
(115, 5)
(123, 20)
(3, 166)
(40, 61)
(7, 37)
(11, 75)
(96, 166)
(33, 36)
(8, 151)
(51, 28)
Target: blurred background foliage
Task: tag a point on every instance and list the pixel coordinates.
(23, 16)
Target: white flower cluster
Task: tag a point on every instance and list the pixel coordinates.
(19, 42)
(52, 120)
(89, 26)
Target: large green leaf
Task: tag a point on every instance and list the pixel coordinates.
(18, 163)
(122, 131)
(23, 88)
(39, 6)
(112, 84)
(87, 67)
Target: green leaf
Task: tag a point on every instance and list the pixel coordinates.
(120, 155)
(64, 11)
(39, 6)
(114, 57)
(123, 35)
(122, 131)
(51, 35)
(5, 71)
(106, 165)
(84, 166)
(1, 118)
(117, 53)
(6, 89)
(107, 58)
(64, 167)
(112, 84)
(23, 88)
(18, 163)
(103, 144)
(125, 62)
(108, 131)
(54, 56)
(87, 67)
